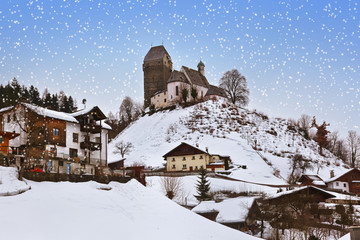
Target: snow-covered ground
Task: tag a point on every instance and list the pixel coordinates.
(226, 130)
(188, 188)
(9, 183)
(97, 211)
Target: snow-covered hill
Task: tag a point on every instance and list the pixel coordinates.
(97, 211)
(227, 130)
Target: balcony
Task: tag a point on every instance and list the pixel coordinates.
(92, 146)
(90, 128)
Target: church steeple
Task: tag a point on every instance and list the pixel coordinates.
(201, 67)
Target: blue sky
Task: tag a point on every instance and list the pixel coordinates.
(298, 56)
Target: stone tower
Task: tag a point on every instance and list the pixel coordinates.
(201, 68)
(157, 69)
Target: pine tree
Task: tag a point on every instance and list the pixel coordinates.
(35, 96)
(203, 186)
(54, 102)
(72, 104)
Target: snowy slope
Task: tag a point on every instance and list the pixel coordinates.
(188, 188)
(227, 130)
(96, 211)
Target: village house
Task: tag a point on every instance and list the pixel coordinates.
(57, 142)
(164, 86)
(312, 180)
(188, 158)
(348, 182)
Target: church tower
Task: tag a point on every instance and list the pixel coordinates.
(157, 69)
(201, 68)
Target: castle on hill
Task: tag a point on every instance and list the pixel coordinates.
(163, 86)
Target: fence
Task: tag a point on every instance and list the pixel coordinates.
(55, 177)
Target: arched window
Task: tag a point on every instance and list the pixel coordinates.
(177, 90)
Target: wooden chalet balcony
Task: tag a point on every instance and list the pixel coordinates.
(92, 128)
(92, 146)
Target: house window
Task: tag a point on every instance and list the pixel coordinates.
(173, 166)
(1, 139)
(97, 139)
(177, 90)
(196, 168)
(337, 184)
(55, 132)
(201, 156)
(9, 118)
(165, 100)
(184, 158)
(14, 117)
(193, 158)
(73, 152)
(344, 184)
(184, 166)
(61, 163)
(173, 159)
(75, 137)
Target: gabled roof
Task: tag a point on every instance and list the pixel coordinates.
(316, 189)
(195, 77)
(155, 53)
(177, 76)
(184, 149)
(213, 90)
(337, 177)
(95, 111)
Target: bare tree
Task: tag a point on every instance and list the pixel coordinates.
(354, 144)
(305, 124)
(332, 141)
(123, 148)
(235, 86)
(341, 150)
(171, 185)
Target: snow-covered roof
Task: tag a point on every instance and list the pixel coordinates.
(299, 189)
(336, 177)
(230, 210)
(50, 113)
(104, 125)
(6, 109)
(69, 117)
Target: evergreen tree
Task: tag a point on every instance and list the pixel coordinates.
(72, 105)
(184, 94)
(194, 93)
(47, 100)
(54, 102)
(34, 96)
(203, 186)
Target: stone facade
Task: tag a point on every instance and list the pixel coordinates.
(157, 69)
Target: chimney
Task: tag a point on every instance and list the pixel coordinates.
(332, 174)
(355, 233)
(207, 150)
